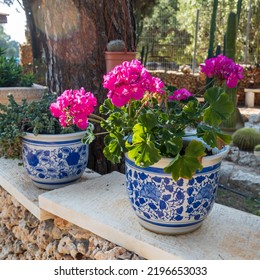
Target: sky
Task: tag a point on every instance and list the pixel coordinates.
(15, 26)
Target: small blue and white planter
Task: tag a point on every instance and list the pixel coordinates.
(169, 207)
(54, 161)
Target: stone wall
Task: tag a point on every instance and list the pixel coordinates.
(22, 236)
(196, 82)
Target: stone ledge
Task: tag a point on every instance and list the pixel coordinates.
(14, 180)
(101, 206)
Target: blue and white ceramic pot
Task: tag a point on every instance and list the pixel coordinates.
(169, 207)
(54, 161)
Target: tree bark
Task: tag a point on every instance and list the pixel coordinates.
(74, 34)
(35, 40)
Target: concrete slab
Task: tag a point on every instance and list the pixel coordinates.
(14, 180)
(102, 207)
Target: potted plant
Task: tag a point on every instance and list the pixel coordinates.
(172, 143)
(14, 80)
(53, 155)
(116, 54)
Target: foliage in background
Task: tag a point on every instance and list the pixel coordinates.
(162, 32)
(187, 17)
(11, 73)
(11, 46)
(142, 9)
(173, 23)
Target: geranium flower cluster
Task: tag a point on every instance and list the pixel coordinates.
(73, 107)
(223, 69)
(130, 80)
(180, 94)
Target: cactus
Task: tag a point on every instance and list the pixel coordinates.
(239, 6)
(257, 148)
(235, 120)
(246, 138)
(144, 54)
(116, 46)
(218, 50)
(212, 38)
(212, 29)
(231, 36)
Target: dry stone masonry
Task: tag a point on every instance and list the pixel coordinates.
(196, 82)
(23, 236)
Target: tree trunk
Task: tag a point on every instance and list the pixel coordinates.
(74, 34)
(35, 41)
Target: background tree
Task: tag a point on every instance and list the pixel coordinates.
(163, 32)
(11, 46)
(187, 18)
(74, 34)
(142, 9)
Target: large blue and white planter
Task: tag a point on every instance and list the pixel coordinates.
(165, 206)
(54, 161)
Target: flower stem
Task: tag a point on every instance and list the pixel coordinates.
(94, 120)
(101, 133)
(97, 117)
(140, 109)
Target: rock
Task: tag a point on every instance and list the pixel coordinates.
(51, 249)
(247, 182)
(83, 247)
(79, 233)
(112, 254)
(24, 237)
(254, 118)
(31, 220)
(225, 171)
(32, 249)
(67, 247)
(61, 223)
(4, 252)
(57, 233)
(18, 247)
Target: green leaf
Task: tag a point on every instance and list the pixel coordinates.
(172, 143)
(185, 166)
(213, 136)
(113, 150)
(148, 120)
(107, 107)
(171, 88)
(144, 153)
(220, 108)
(89, 135)
(142, 150)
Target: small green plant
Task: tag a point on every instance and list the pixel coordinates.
(11, 73)
(257, 148)
(246, 138)
(17, 119)
(116, 46)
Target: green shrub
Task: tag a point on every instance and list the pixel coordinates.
(17, 119)
(11, 73)
(246, 138)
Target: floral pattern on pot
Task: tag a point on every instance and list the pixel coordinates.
(166, 206)
(55, 163)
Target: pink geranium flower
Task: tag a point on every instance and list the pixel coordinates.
(130, 80)
(223, 69)
(180, 94)
(73, 107)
